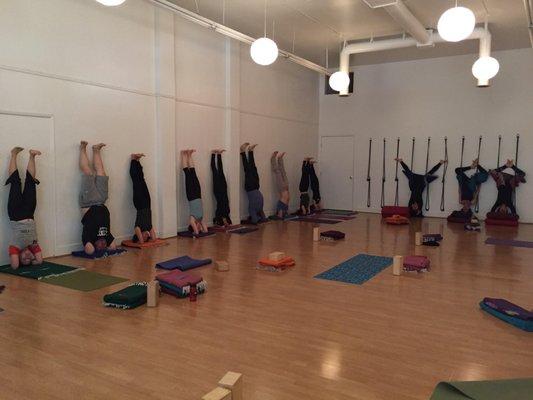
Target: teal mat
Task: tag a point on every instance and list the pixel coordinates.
(47, 269)
(510, 389)
(356, 270)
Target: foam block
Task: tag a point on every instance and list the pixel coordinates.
(232, 381)
(397, 265)
(153, 294)
(222, 266)
(151, 243)
(218, 393)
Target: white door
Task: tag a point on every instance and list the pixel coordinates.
(30, 132)
(336, 171)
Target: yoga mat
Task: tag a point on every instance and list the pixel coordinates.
(517, 322)
(38, 272)
(145, 245)
(508, 242)
(333, 216)
(509, 389)
(356, 270)
(317, 220)
(243, 231)
(189, 234)
(84, 280)
(217, 228)
(338, 212)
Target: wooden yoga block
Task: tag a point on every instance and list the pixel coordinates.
(276, 256)
(397, 265)
(218, 393)
(222, 266)
(418, 238)
(233, 382)
(316, 234)
(152, 294)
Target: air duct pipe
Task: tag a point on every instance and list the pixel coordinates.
(481, 34)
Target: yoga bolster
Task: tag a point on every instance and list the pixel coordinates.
(500, 216)
(501, 222)
(183, 263)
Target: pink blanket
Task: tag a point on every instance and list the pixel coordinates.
(178, 278)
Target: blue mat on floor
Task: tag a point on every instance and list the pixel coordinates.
(356, 270)
(189, 234)
(98, 254)
(243, 231)
(183, 263)
(517, 322)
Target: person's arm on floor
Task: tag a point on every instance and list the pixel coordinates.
(139, 235)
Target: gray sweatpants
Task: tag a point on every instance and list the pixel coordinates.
(94, 190)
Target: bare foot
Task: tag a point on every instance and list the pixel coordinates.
(282, 155)
(98, 146)
(275, 154)
(252, 147)
(222, 151)
(192, 151)
(34, 153)
(244, 147)
(137, 156)
(83, 144)
(16, 150)
(215, 151)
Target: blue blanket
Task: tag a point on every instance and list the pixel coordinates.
(183, 263)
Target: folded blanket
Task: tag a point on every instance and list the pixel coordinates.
(397, 220)
(506, 307)
(127, 298)
(183, 263)
(284, 262)
(389, 211)
(178, 278)
(416, 263)
(332, 235)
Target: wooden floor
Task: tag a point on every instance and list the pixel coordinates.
(292, 336)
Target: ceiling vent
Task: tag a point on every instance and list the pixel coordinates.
(380, 3)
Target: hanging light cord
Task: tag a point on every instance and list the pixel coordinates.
(476, 206)
(425, 176)
(396, 176)
(368, 178)
(442, 200)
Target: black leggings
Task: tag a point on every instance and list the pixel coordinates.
(21, 205)
(309, 177)
(251, 177)
(220, 187)
(141, 194)
(192, 184)
(505, 196)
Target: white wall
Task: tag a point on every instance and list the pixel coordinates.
(140, 79)
(437, 98)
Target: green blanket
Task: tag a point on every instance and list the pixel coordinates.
(129, 297)
(84, 280)
(512, 389)
(47, 269)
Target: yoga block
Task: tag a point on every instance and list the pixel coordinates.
(218, 393)
(397, 265)
(233, 382)
(222, 266)
(316, 234)
(152, 299)
(418, 238)
(276, 256)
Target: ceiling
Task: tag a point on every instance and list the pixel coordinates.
(319, 24)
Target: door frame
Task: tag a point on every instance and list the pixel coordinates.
(353, 161)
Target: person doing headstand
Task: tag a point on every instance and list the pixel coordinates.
(282, 183)
(143, 230)
(194, 193)
(220, 190)
(251, 184)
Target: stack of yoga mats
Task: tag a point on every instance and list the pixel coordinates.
(130, 297)
(509, 389)
(266, 264)
(508, 312)
(183, 263)
(177, 283)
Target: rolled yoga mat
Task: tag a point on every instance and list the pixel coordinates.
(509, 389)
(356, 270)
(509, 242)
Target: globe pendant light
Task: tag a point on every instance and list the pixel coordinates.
(456, 24)
(339, 81)
(485, 68)
(111, 3)
(264, 51)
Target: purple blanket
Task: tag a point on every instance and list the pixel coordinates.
(508, 242)
(508, 308)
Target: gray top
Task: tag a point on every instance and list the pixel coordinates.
(24, 233)
(196, 209)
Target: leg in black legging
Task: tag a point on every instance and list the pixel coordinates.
(304, 180)
(251, 177)
(192, 184)
(22, 204)
(141, 194)
(315, 185)
(220, 190)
